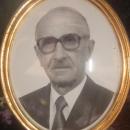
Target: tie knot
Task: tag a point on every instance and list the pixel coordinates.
(60, 103)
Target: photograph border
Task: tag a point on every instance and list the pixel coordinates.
(125, 52)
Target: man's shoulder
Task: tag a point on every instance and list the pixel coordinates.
(37, 94)
(104, 95)
(98, 94)
(97, 89)
(36, 104)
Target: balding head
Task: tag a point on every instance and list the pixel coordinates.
(62, 20)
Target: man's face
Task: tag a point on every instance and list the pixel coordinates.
(63, 65)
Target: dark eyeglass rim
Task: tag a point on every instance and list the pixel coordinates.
(59, 40)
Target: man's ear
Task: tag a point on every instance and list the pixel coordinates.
(38, 53)
(90, 48)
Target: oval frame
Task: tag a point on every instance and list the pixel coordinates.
(125, 50)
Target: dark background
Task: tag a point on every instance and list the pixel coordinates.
(7, 9)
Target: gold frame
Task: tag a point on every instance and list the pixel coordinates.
(125, 50)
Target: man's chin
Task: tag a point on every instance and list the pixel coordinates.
(63, 83)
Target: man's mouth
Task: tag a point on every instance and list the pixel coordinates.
(61, 67)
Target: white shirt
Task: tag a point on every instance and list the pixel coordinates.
(70, 99)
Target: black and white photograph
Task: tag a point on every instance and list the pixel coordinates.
(65, 65)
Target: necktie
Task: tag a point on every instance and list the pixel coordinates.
(59, 119)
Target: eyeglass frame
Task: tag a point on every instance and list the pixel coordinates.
(62, 43)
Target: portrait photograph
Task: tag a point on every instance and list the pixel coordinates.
(64, 65)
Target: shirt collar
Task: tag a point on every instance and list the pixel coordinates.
(71, 96)
(54, 95)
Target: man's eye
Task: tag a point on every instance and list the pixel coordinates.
(69, 39)
(49, 41)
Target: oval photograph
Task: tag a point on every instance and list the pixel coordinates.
(64, 65)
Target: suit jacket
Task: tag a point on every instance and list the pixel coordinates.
(91, 103)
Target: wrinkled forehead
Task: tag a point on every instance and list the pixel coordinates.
(60, 21)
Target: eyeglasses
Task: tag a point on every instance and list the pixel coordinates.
(69, 42)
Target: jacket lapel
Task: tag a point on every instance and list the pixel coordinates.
(82, 111)
(44, 107)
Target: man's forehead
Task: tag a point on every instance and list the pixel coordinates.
(61, 19)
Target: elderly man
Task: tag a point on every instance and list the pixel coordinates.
(71, 101)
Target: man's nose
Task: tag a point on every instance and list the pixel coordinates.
(60, 52)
